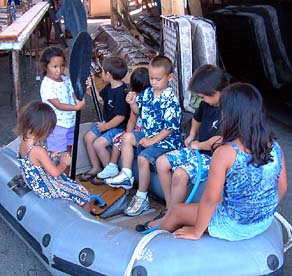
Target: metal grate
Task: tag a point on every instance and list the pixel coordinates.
(172, 49)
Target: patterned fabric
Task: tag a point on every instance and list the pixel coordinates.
(47, 186)
(186, 159)
(250, 197)
(63, 91)
(162, 112)
(117, 141)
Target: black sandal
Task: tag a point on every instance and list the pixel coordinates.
(143, 227)
(87, 176)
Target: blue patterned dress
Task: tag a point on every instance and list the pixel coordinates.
(250, 197)
(47, 186)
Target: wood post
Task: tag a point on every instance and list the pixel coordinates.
(170, 7)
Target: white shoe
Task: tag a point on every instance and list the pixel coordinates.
(137, 206)
(121, 181)
(110, 170)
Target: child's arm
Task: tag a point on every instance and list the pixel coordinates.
(68, 107)
(131, 100)
(132, 122)
(222, 160)
(193, 132)
(146, 142)
(206, 145)
(283, 181)
(39, 157)
(114, 122)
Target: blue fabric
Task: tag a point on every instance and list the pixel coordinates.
(109, 135)
(47, 186)
(162, 112)
(250, 197)
(186, 159)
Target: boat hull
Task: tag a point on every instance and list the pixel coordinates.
(70, 241)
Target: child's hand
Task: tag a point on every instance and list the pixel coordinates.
(88, 82)
(188, 141)
(66, 159)
(145, 142)
(131, 97)
(80, 104)
(101, 126)
(195, 145)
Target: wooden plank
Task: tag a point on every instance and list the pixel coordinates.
(99, 8)
(12, 32)
(108, 194)
(173, 7)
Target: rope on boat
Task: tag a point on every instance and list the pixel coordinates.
(140, 247)
(288, 229)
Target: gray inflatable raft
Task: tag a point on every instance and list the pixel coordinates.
(70, 241)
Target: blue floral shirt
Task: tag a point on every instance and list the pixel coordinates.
(162, 112)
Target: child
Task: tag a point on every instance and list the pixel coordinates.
(139, 81)
(160, 112)
(247, 177)
(47, 180)
(207, 82)
(56, 91)
(115, 110)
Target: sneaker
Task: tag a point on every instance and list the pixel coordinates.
(110, 170)
(137, 206)
(120, 181)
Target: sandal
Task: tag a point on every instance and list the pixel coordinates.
(87, 176)
(161, 214)
(143, 227)
(97, 181)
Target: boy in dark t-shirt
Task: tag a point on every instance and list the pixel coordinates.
(115, 112)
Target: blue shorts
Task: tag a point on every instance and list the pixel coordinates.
(186, 159)
(60, 138)
(150, 153)
(108, 135)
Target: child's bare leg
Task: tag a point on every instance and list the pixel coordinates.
(100, 146)
(165, 175)
(89, 139)
(179, 215)
(128, 143)
(179, 186)
(144, 174)
(115, 155)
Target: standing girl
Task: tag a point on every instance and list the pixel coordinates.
(56, 91)
(47, 180)
(247, 177)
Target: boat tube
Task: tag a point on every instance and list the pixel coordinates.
(70, 241)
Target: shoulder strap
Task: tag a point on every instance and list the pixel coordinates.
(234, 146)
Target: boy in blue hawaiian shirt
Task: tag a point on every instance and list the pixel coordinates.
(160, 112)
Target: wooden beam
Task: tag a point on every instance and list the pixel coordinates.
(13, 31)
(195, 7)
(170, 7)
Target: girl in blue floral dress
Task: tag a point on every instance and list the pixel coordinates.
(46, 179)
(247, 177)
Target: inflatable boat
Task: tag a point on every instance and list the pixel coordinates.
(70, 241)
